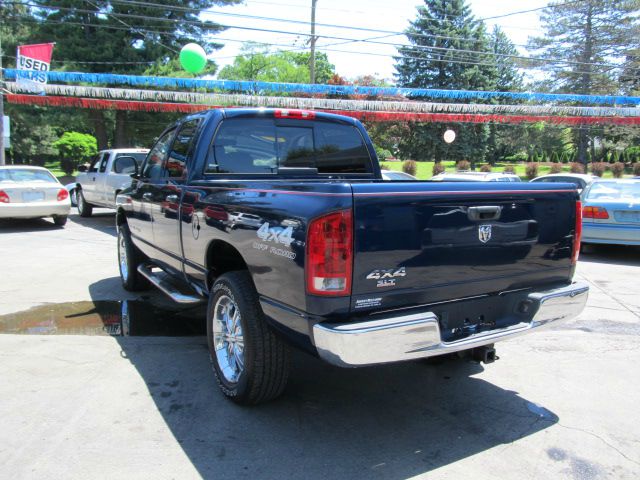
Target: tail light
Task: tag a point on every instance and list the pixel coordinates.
(63, 194)
(4, 198)
(578, 233)
(595, 212)
(297, 114)
(330, 254)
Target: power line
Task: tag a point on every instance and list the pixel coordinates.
(426, 47)
(453, 59)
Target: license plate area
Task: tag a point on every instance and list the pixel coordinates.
(459, 320)
(32, 197)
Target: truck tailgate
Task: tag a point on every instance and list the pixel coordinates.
(419, 243)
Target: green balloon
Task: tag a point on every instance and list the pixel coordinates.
(193, 57)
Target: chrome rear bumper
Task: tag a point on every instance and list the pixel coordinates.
(415, 336)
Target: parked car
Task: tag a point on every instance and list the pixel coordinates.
(611, 212)
(476, 177)
(109, 173)
(32, 192)
(331, 259)
(580, 180)
(393, 175)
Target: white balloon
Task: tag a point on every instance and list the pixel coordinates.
(449, 136)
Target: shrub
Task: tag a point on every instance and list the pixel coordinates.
(617, 169)
(531, 170)
(410, 167)
(384, 166)
(576, 168)
(463, 165)
(485, 168)
(556, 168)
(509, 169)
(439, 168)
(382, 153)
(636, 169)
(598, 168)
(75, 147)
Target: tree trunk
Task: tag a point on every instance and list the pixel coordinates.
(100, 130)
(121, 140)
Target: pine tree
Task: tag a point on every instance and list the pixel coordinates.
(441, 30)
(586, 36)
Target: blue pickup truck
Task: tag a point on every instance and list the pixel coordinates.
(281, 221)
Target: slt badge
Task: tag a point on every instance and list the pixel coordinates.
(484, 233)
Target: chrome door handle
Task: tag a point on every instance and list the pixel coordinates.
(172, 198)
(147, 196)
(485, 213)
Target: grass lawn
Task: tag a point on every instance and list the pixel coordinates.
(425, 169)
(54, 167)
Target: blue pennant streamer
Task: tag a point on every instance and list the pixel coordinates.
(260, 88)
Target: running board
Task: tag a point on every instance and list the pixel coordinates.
(178, 293)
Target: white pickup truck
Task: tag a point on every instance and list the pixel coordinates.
(109, 173)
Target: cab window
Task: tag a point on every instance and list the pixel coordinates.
(153, 165)
(181, 149)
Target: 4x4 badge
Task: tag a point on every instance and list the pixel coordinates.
(484, 233)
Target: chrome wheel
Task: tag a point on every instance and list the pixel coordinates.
(228, 340)
(122, 256)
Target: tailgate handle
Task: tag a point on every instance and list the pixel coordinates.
(484, 213)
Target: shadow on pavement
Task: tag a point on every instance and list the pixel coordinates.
(103, 220)
(23, 225)
(391, 422)
(610, 254)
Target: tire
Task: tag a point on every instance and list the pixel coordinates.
(60, 220)
(129, 258)
(255, 369)
(73, 197)
(85, 209)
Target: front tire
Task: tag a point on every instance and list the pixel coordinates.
(129, 258)
(84, 209)
(250, 362)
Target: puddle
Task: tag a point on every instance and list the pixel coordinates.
(109, 318)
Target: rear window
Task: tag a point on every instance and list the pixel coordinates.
(259, 146)
(614, 191)
(26, 175)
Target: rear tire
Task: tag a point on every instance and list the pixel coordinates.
(250, 362)
(129, 258)
(60, 220)
(84, 209)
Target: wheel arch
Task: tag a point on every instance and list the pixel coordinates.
(222, 257)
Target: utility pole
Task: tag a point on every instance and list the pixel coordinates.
(312, 58)
(1, 109)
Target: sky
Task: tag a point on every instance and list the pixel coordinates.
(353, 59)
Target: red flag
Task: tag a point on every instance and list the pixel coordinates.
(34, 61)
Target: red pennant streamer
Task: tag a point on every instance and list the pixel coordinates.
(101, 104)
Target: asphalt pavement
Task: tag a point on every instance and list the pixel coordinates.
(100, 383)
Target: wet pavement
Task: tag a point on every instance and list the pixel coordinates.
(106, 317)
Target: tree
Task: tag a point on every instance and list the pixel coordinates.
(449, 49)
(258, 62)
(75, 147)
(581, 40)
(116, 36)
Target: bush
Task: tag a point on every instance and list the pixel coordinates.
(636, 169)
(410, 167)
(485, 168)
(518, 157)
(439, 168)
(75, 147)
(382, 153)
(617, 169)
(556, 168)
(598, 168)
(509, 169)
(384, 166)
(576, 168)
(531, 170)
(463, 165)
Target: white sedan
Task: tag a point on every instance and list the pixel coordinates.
(32, 192)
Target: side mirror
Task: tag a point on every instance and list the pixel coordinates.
(82, 168)
(126, 165)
